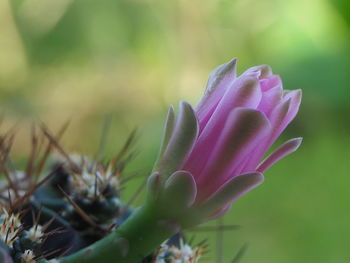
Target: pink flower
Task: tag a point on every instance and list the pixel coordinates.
(221, 143)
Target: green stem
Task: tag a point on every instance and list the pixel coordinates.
(136, 238)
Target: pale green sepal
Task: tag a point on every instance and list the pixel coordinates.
(231, 191)
(180, 190)
(168, 131)
(154, 186)
(181, 142)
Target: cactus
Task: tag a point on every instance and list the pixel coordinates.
(59, 205)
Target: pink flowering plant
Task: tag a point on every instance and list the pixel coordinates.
(219, 145)
(71, 210)
(209, 157)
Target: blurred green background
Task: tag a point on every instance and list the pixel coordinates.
(85, 59)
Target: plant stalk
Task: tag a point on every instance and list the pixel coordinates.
(135, 239)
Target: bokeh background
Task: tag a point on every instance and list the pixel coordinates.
(84, 60)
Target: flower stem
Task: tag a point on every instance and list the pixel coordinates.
(135, 239)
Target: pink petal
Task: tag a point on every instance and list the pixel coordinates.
(220, 80)
(247, 95)
(280, 117)
(259, 72)
(282, 151)
(244, 130)
(270, 100)
(245, 92)
(270, 82)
